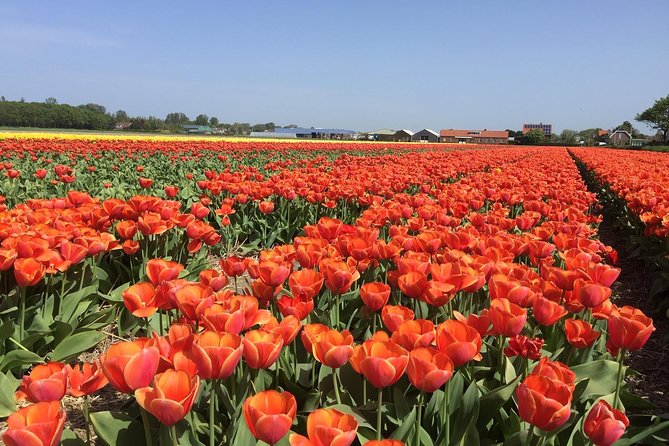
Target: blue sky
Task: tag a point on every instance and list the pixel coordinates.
(353, 64)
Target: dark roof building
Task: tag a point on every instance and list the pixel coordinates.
(403, 135)
(382, 135)
(474, 136)
(425, 135)
(317, 133)
(201, 129)
(546, 128)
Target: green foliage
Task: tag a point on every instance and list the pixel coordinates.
(533, 137)
(657, 116)
(53, 115)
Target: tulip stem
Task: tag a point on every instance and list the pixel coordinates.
(147, 426)
(530, 435)
(379, 403)
(22, 312)
(86, 422)
(500, 339)
(447, 415)
(173, 432)
(419, 419)
(336, 385)
(373, 323)
(212, 410)
(619, 381)
(364, 391)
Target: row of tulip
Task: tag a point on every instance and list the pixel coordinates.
(492, 291)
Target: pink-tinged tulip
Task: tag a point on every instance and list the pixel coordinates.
(605, 425)
(39, 424)
(429, 369)
(460, 342)
(46, 382)
(269, 415)
(508, 319)
(86, 379)
(130, 365)
(327, 427)
(543, 402)
(217, 354)
(382, 362)
(629, 328)
(171, 397)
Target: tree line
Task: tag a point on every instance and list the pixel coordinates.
(51, 114)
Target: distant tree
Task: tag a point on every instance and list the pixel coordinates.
(51, 101)
(202, 119)
(533, 137)
(120, 116)
(177, 118)
(22, 99)
(97, 108)
(213, 121)
(657, 116)
(290, 126)
(568, 136)
(514, 133)
(2, 99)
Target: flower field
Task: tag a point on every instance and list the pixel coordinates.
(214, 292)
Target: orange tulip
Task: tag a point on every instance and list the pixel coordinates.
(288, 328)
(384, 443)
(508, 319)
(374, 295)
(233, 266)
(580, 333)
(294, 307)
(309, 334)
(228, 316)
(429, 369)
(543, 402)
(460, 342)
(193, 299)
(382, 363)
(86, 379)
(274, 273)
(413, 284)
(261, 348)
(161, 270)
(339, 276)
(556, 371)
(46, 382)
(414, 334)
(217, 354)
(266, 207)
(305, 284)
(140, 299)
(629, 328)
(393, 315)
(39, 424)
(28, 271)
(327, 427)
(269, 415)
(333, 348)
(171, 397)
(214, 279)
(130, 365)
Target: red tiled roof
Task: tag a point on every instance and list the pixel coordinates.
(477, 134)
(602, 132)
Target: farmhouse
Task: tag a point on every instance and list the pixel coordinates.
(403, 135)
(474, 136)
(382, 135)
(425, 135)
(316, 133)
(201, 129)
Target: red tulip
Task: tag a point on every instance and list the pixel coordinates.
(547, 312)
(429, 369)
(269, 415)
(339, 276)
(382, 363)
(580, 333)
(543, 402)
(217, 354)
(86, 379)
(629, 328)
(508, 319)
(39, 424)
(327, 427)
(460, 342)
(590, 294)
(375, 295)
(414, 334)
(305, 284)
(392, 316)
(28, 271)
(171, 397)
(525, 347)
(309, 334)
(605, 425)
(261, 348)
(333, 348)
(46, 382)
(130, 365)
(140, 299)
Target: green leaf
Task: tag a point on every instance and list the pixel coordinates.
(467, 415)
(118, 428)
(19, 357)
(69, 438)
(7, 388)
(647, 432)
(402, 432)
(603, 375)
(492, 401)
(76, 344)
